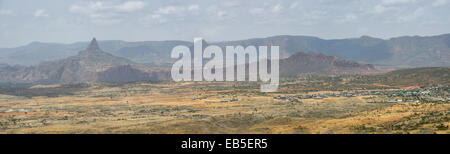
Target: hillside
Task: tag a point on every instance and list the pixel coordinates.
(427, 76)
(312, 63)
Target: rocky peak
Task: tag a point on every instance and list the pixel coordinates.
(93, 45)
(92, 49)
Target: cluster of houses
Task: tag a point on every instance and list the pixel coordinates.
(407, 95)
(291, 98)
(316, 96)
(413, 95)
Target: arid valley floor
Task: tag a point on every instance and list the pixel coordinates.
(220, 107)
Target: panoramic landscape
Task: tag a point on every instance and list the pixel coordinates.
(96, 92)
(54, 84)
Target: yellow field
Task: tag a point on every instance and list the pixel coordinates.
(170, 108)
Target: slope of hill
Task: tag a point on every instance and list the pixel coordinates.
(410, 51)
(426, 76)
(312, 63)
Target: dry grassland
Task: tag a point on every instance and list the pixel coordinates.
(170, 108)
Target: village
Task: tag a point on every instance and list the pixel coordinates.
(411, 95)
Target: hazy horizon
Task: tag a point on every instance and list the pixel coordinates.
(213, 41)
(66, 21)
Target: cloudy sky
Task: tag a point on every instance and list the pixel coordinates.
(67, 21)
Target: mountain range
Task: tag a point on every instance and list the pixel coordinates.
(89, 65)
(95, 65)
(411, 51)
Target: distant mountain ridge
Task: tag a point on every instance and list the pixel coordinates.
(413, 51)
(89, 65)
(95, 65)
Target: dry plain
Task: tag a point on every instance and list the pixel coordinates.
(207, 107)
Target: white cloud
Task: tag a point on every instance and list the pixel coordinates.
(221, 14)
(277, 8)
(307, 17)
(380, 8)
(218, 13)
(95, 7)
(193, 7)
(6, 12)
(256, 11)
(412, 16)
(105, 12)
(294, 5)
(264, 10)
(129, 6)
(229, 3)
(153, 18)
(350, 17)
(438, 3)
(396, 2)
(169, 10)
(168, 13)
(41, 13)
(387, 5)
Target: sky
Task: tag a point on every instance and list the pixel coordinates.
(68, 21)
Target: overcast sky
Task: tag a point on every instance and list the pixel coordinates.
(67, 21)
